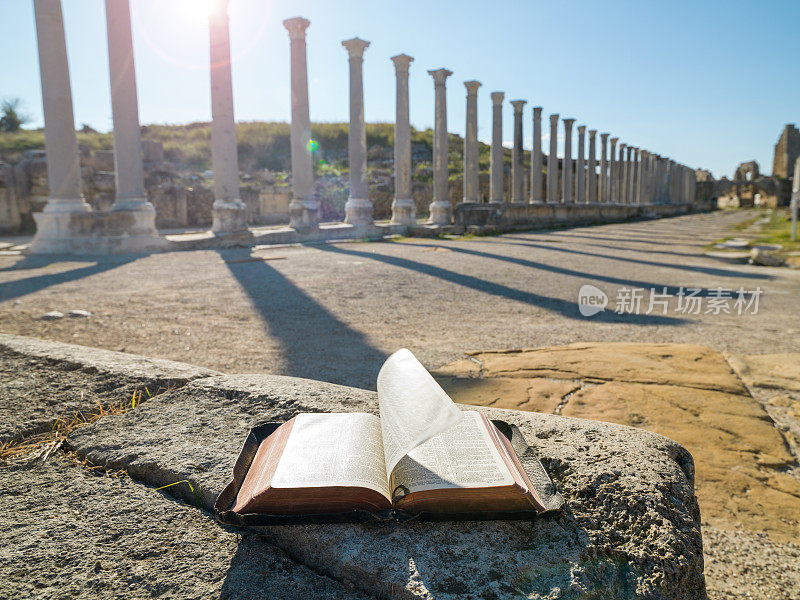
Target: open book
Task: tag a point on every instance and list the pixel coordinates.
(422, 455)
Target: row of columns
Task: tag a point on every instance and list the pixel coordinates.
(632, 176)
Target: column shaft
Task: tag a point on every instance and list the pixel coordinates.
(496, 157)
(471, 143)
(566, 177)
(612, 172)
(537, 184)
(440, 207)
(404, 210)
(517, 167)
(229, 213)
(602, 192)
(358, 209)
(552, 161)
(580, 179)
(591, 196)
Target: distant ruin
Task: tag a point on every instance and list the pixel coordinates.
(787, 150)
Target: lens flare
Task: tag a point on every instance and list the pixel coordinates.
(312, 146)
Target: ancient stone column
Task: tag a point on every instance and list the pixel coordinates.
(552, 161)
(496, 156)
(566, 176)
(580, 179)
(128, 167)
(591, 195)
(622, 166)
(440, 207)
(795, 197)
(537, 184)
(61, 143)
(228, 211)
(517, 168)
(471, 143)
(641, 174)
(612, 172)
(358, 208)
(602, 192)
(304, 208)
(629, 182)
(404, 211)
(636, 175)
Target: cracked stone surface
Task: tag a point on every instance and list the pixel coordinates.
(69, 533)
(631, 528)
(739, 416)
(57, 380)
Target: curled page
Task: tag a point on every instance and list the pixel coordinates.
(413, 407)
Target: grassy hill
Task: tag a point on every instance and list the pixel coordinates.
(261, 145)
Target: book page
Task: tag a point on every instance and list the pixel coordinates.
(462, 456)
(333, 449)
(413, 407)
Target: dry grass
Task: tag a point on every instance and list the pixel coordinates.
(41, 445)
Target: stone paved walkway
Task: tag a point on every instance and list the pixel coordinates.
(334, 312)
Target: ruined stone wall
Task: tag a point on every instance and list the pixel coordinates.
(786, 152)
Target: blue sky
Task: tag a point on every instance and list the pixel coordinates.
(708, 83)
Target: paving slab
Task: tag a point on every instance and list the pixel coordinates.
(775, 371)
(69, 533)
(630, 528)
(677, 364)
(46, 381)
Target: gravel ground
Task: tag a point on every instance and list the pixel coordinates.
(334, 312)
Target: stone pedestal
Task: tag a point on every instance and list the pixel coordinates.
(53, 231)
(580, 174)
(566, 177)
(303, 208)
(471, 143)
(517, 167)
(358, 209)
(552, 161)
(229, 212)
(440, 207)
(496, 157)
(537, 183)
(404, 211)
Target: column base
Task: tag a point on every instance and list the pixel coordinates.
(440, 213)
(404, 211)
(304, 215)
(143, 216)
(229, 216)
(358, 211)
(111, 232)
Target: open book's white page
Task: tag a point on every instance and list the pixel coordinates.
(413, 407)
(462, 456)
(333, 449)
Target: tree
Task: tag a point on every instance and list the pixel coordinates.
(10, 117)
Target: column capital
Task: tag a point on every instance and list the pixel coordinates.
(623, 145)
(554, 119)
(472, 87)
(604, 136)
(439, 75)
(402, 62)
(497, 97)
(581, 129)
(568, 123)
(537, 112)
(614, 140)
(518, 105)
(297, 27)
(355, 48)
(592, 133)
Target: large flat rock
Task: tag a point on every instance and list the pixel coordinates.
(68, 533)
(630, 528)
(46, 381)
(674, 364)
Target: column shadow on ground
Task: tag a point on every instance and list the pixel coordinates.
(565, 308)
(315, 343)
(23, 287)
